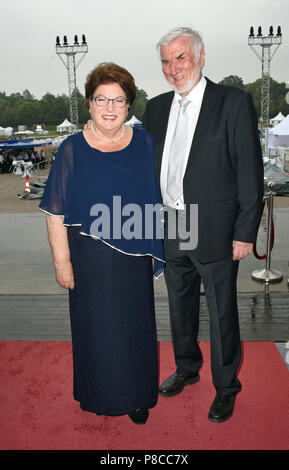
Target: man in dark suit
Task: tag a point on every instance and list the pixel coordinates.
(207, 152)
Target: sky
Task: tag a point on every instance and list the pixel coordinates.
(126, 32)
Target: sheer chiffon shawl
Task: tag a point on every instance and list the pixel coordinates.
(112, 196)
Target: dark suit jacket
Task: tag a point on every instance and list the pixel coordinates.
(224, 173)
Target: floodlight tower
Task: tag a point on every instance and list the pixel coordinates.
(70, 51)
(265, 42)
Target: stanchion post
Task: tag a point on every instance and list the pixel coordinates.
(268, 275)
(269, 229)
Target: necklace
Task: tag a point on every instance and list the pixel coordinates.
(107, 140)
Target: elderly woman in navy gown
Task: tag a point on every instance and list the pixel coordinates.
(104, 257)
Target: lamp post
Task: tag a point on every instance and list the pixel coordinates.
(265, 42)
(70, 51)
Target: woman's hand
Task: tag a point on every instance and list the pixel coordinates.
(57, 236)
(64, 275)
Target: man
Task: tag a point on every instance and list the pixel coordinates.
(215, 161)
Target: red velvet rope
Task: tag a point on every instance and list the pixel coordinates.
(272, 236)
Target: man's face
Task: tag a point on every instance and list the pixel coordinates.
(179, 65)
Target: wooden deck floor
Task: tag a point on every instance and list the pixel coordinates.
(46, 317)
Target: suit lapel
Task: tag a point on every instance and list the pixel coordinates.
(163, 125)
(207, 107)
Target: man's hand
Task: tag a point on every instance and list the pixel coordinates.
(87, 125)
(64, 275)
(241, 250)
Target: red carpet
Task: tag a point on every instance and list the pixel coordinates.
(37, 410)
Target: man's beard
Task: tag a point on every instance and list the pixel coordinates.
(189, 85)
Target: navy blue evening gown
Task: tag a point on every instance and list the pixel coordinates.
(115, 362)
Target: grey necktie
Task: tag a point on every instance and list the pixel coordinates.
(177, 153)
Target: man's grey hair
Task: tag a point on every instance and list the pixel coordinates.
(195, 37)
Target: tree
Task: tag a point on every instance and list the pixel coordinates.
(83, 113)
(255, 89)
(233, 80)
(27, 96)
(277, 95)
(138, 106)
(8, 117)
(277, 98)
(53, 109)
(25, 113)
(23, 108)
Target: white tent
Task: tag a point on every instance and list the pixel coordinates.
(2, 131)
(39, 130)
(66, 126)
(279, 135)
(58, 140)
(8, 131)
(27, 132)
(133, 121)
(277, 119)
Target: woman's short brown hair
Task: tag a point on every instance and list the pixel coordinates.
(108, 72)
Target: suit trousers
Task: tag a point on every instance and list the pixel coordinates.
(183, 274)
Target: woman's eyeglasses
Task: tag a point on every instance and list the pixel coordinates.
(102, 101)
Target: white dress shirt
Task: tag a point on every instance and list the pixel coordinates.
(196, 97)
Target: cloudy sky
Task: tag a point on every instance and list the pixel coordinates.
(125, 32)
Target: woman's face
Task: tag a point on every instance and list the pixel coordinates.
(108, 118)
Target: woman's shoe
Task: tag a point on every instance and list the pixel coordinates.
(139, 416)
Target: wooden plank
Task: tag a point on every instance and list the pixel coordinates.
(46, 317)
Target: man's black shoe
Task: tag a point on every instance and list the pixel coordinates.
(139, 416)
(175, 384)
(222, 408)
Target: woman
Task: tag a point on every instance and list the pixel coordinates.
(104, 262)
